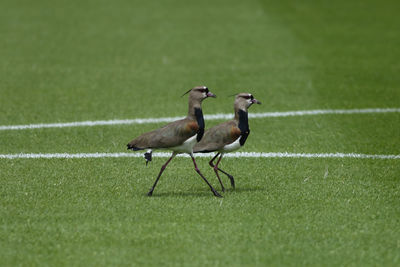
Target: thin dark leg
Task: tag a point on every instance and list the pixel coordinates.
(230, 178)
(205, 180)
(150, 193)
(216, 171)
(216, 167)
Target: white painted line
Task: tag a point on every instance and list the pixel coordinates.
(87, 123)
(324, 112)
(229, 155)
(220, 116)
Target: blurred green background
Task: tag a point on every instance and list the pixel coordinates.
(63, 61)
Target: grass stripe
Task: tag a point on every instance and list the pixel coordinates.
(219, 116)
(229, 155)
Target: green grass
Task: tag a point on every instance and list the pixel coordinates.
(78, 212)
(93, 60)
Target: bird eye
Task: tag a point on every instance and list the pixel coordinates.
(203, 90)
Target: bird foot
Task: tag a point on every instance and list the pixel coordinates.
(150, 193)
(232, 181)
(148, 156)
(216, 193)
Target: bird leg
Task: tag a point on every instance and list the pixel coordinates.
(216, 169)
(150, 193)
(205, 180)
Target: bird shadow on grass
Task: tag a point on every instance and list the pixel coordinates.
(182, 194)
(207, 194)
(240, 190)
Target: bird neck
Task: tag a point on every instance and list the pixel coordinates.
(193, 106)
(196, 113)
(241, 116)
(239, 110)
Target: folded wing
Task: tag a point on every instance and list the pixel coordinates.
(171, 135)
(217, 137)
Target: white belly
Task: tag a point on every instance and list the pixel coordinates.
(232, 146)
(187, 146)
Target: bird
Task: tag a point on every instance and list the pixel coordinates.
(179, 136)
(228, 136)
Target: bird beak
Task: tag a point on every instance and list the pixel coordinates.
(255, 101)
(209, 94)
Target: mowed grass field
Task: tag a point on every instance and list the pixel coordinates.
(68, 61)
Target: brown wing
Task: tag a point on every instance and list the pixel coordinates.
(218, 136)
(172, 134)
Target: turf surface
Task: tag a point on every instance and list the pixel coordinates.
(95, 60)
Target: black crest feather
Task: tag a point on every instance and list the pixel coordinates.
(186, 92)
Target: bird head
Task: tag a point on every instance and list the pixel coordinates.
(199, 93)
(245, 100)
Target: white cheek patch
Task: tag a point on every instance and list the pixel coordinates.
(249, 102)
(204, 95)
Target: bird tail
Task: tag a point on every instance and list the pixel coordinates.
(133, 147)
(147, 156)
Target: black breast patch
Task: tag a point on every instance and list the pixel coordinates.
(200, 121)
(243, 126)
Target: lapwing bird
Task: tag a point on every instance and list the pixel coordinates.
(179, 136)
(228, 136)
